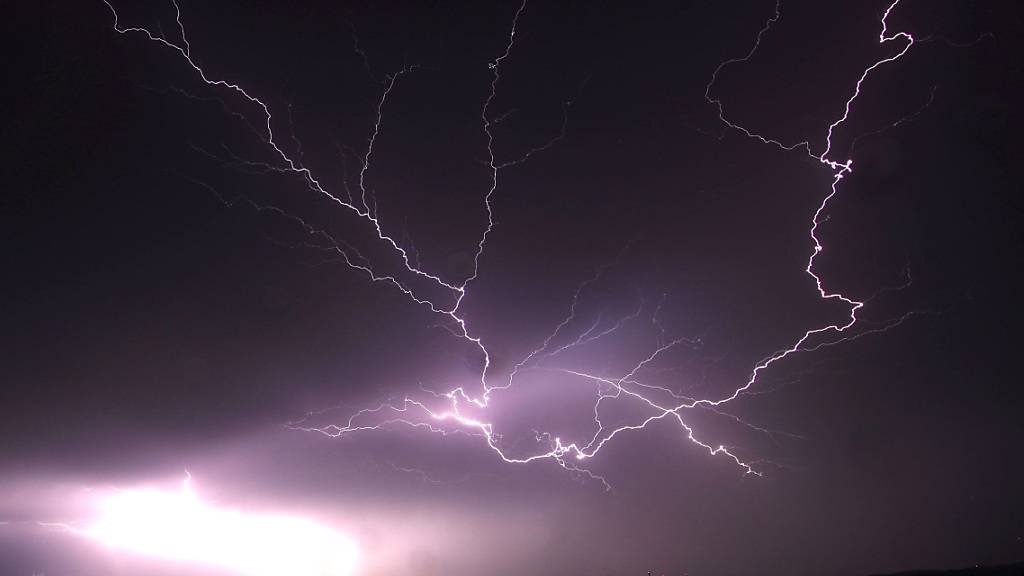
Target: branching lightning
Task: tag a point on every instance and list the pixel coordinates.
(463, 411)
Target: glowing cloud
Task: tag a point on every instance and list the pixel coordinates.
(178, 526)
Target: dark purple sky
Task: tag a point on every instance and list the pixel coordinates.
(154, 321)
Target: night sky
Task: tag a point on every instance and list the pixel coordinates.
(165, 307)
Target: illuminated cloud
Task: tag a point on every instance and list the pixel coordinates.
(179, 526)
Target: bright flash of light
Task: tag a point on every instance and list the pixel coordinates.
(178, 526)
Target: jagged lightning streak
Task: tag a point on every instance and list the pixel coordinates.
(840, 169)
(417, 413)
(292, 165)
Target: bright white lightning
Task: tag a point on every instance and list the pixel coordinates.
(178, 526)
(462, 408)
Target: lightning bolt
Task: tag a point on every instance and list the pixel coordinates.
(462, 411)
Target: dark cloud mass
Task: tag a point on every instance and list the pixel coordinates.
(165, 307)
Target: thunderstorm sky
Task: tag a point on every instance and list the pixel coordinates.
(511, 288)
